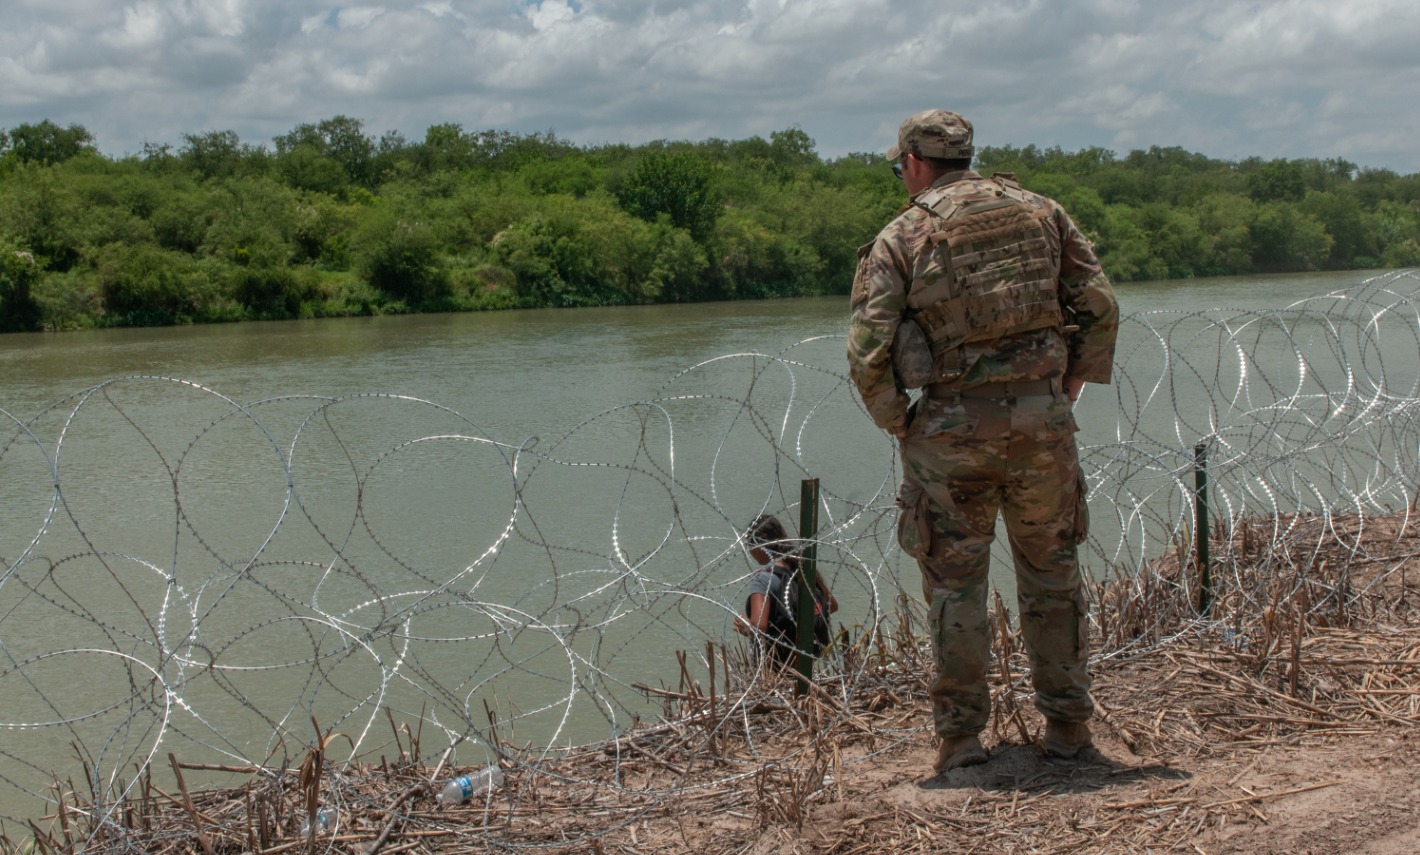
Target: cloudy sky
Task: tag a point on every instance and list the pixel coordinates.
(1227, 78)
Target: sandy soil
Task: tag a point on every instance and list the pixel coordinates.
(1304, 743)
(1199, 747)
(1340, 794)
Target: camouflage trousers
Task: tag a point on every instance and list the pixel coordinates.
(966, 461)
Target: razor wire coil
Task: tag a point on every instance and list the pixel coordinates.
(135, 617)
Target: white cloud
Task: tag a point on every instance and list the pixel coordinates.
(1288, 78)
(357, 17)
(548, 13)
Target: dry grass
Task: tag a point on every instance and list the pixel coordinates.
(1315, 639)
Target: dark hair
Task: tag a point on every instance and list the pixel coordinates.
(943, 165)
(767, 533)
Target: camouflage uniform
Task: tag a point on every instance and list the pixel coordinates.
(1013, 302)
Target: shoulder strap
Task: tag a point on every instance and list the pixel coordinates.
(1007, 178)
(783, 577)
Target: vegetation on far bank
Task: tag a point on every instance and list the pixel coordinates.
(333, 221)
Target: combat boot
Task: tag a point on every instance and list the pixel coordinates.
(958, 751)
(1066, 738)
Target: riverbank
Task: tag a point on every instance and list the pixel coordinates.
(1291, 728)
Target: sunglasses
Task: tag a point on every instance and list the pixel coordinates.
(897, 168)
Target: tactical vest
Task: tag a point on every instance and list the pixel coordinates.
(990, 273)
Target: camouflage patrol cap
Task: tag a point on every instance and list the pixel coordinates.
(933, 133)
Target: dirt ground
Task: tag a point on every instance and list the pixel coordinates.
(1352, 793)
(1201, 745)
(1249, 768)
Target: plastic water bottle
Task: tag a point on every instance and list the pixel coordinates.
(325, 819)
(465, 787)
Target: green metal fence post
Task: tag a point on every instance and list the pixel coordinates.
(1200, 539)
(808, 581)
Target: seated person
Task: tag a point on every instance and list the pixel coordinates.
(771, 608)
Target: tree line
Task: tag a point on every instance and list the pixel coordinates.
(330, 220)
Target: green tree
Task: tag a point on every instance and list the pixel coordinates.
(676, 184)
(1374, 186)
(41, 213)
(476, 213)
(1125, 249)
(1278, 181)
(489, 218)
(18, 276)
(46, 143)
(1223, 218)
(1396, 227)
(1121, 185)
(792, 151)
(550, 265)
(1082, 202)
(632, 261)
(398, 253)
(183, 215)
(815, 254)
(306, 167)
(509, 152)
(1285, 240)
(322, 230)
(252, 221)
(757, 262)
(571, 176)
(587, 252)
(215, 154)
(446, 147)
(148, 286)
(1340, 213)
(393, 154)
(341, 140)
(271, 292)
(1174, 239)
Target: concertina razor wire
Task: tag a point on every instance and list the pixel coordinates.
(215, 584)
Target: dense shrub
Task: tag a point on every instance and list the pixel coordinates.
(70, 301)
(148, 286)
(588, 253)
(18, 276)
(333, 221)
(400, 257)
(43, 214)
(275, 293)
(677, 185)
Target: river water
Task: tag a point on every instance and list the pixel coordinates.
(512, 515)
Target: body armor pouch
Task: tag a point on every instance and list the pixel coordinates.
(1001, 276)
(912, 359)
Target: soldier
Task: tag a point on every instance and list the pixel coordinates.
(988, 299)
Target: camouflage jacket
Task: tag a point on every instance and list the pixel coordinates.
(901, 256)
